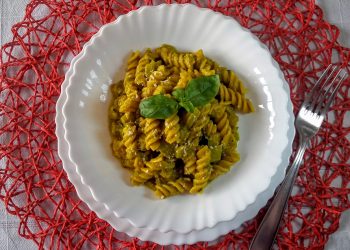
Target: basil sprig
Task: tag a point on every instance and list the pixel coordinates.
(199, 91)
(184, 102)
(158, 107)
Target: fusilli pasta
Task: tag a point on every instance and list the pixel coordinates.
(185, 151)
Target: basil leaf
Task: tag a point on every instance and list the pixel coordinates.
(179, 94)
(202, 90)
(158, 107)
(187, 105)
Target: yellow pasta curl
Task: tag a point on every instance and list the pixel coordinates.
(190, 118)
(236, 99)
(157, 163)
(138, 162)
(203, 169)
(172, 129)
(185, 77)
(131, 103)
(204, 65)
(155, 81)
(181, 60)
(153, 133)
(127, 117)
(141, 175)
(231, 80)
(151, 67)
(140, 71)
(171, 82)
(223, 124)
(133, 60)
(129, 140)
(210, 128)
(179, 186)
(190, 165)
(129, 79)
(118, 148)
(224, 165)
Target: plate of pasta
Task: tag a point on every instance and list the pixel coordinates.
(171, 237)
(169, 125)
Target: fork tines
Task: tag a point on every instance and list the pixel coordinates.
(323, 92)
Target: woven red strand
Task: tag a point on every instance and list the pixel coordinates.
(34, 186)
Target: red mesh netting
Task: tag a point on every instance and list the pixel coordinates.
(33, 184)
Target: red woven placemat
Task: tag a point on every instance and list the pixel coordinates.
(33, 184)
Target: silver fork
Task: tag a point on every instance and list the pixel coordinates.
(307, 123)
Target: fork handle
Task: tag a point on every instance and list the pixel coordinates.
(268, 228)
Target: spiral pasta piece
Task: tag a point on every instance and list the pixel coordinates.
(153, 134)
(156, 164)
(220, 168)
(172, 57)
(223, 124)
(127, 117)
(148, 91)
(133, 60)
(129, 83)
(231, 80)
(129, 140)
(140, 71)
(138, 162)
(159, 90)
(164, 50)
(182, 60)
(169, 83)
(172, 129)
(190, 165)
(236, 99)
(185, 77)
(205, 66)
(151, 67)
(141, 175)
(203, 169)
(181, 185)
(129, 79)
(155, 80)
(210, 128)
(118, 148)
(131, 103)
(224, 165)
(190, 118)
(207, 72)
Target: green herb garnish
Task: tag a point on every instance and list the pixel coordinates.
(202, 90)
(198, 92)
(158, 107)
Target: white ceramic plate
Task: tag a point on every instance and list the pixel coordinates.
(123, 225)
(263, 134)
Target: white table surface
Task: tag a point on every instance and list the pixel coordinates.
(12, 11)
